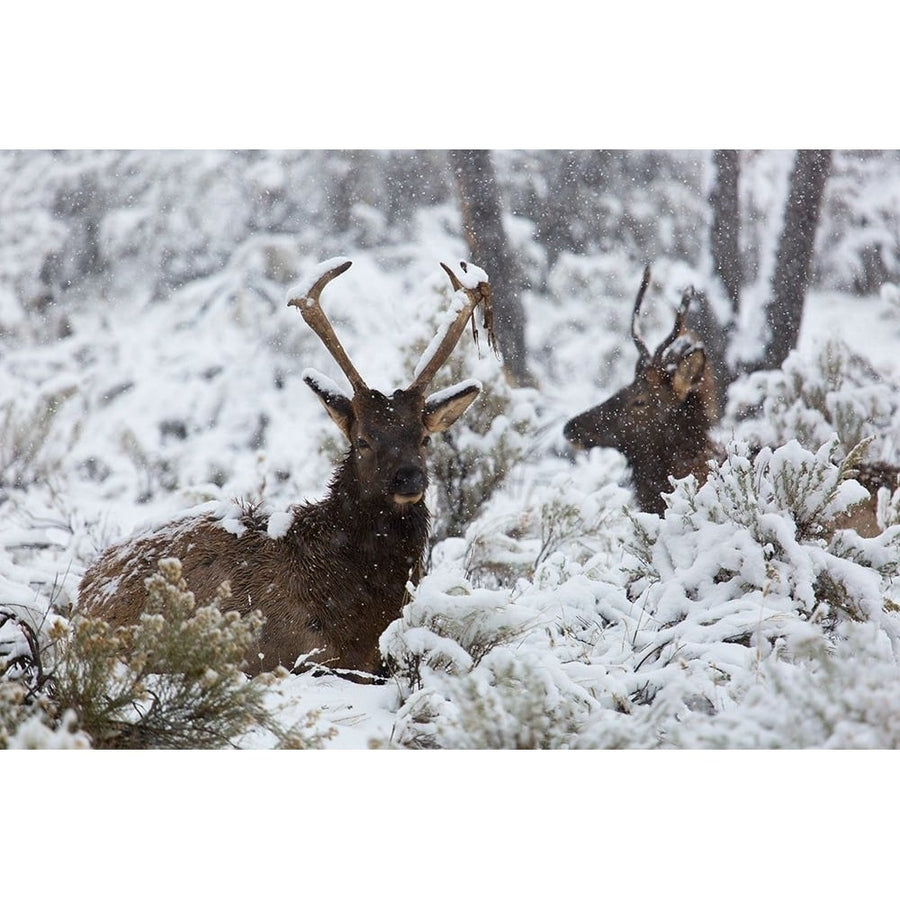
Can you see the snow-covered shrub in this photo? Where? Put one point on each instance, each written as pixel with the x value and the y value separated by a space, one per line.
pixel 174 680
pixel 510 540
pixel 27 452
pixel 28 716
pixel 465 679
pixel 514 700
pixel 812 397
pixel 833 695
pixel 471 460
pixel 750 558
pixel 888 508
pixel 30 723
pixel 449 627
pixel 839 692
pixel 477 668
pixel 23 639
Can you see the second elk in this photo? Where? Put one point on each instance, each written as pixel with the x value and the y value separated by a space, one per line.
pixel 332 578
pixel 662 421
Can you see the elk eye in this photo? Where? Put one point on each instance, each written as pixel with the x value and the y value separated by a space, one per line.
pixel 426 440
pixel 363 444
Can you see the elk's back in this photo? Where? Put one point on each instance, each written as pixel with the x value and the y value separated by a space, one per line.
pixel 311 599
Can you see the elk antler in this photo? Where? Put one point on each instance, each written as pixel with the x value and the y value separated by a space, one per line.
pixel 680 317
pixel 643 352
pixel 444 341
pixel 307 301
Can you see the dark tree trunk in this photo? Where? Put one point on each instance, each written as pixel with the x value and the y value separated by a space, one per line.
pixel 793 262
pixel 726 224
pixel 704 323
pixel 726 261
pixel 479 199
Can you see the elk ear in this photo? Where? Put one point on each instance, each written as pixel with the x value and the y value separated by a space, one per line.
pixel 337 404
pixel 443 408
pixel 689 373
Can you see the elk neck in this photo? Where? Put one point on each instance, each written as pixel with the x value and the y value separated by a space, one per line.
pixel 369 528
pixel 680 448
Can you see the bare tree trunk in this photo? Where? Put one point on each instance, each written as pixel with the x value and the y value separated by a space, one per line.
pixel 793 261
pixel 479 199
pixel 725 253
pixel 726 224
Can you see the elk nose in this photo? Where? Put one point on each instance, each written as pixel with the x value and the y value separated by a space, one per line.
pixel 572 432
pixel 409 481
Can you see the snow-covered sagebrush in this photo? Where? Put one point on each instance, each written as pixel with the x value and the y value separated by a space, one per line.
pixel 738 580
pixel 150 363
pixel 815 394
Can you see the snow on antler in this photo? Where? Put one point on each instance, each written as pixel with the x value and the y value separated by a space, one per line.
pixel 447 320
pixel 299 290
pixel 471 287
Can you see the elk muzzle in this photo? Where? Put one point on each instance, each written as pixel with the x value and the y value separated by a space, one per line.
pixel 574 434
pixel 408 485
pixel 591 429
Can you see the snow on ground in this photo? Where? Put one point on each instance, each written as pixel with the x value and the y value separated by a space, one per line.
pixel 144 407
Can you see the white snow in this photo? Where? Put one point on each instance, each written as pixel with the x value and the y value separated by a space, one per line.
pixel 457 304
pixel 279 524
pixel 439 397
pixel 300 289
pixel 325 384
pixel 167 383
pixel 470 276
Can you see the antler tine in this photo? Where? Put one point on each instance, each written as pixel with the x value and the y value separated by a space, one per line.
pixel 442 345
pixel 643 352
pixel 680 318
pixel 454 281
pixel 307 301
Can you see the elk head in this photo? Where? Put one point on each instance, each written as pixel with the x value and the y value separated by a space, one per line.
pixel 388 435
pixel 662 418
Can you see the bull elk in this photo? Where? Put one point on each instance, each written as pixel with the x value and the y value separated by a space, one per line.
pixel 335 576
pixel 661 421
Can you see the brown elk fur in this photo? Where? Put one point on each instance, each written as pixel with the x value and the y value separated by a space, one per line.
pixel 336 576
pixel 661 423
